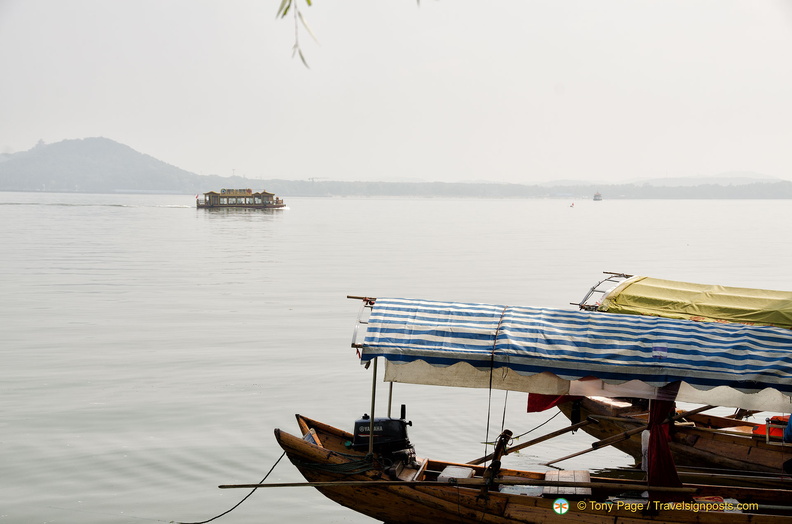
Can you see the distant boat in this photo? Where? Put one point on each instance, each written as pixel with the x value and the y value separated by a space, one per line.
pixel 597 196
pixel 239 198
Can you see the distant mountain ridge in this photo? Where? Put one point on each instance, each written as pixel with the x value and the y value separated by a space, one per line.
pixel 91 165
pixel 730 178
pixel 101 165
pixel 733 178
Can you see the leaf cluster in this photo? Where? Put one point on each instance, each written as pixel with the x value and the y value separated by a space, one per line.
pixel 287 6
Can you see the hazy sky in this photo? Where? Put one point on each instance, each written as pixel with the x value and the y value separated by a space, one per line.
pixel 457 90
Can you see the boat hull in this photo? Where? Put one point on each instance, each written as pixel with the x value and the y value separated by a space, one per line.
pixel 413 498
pixel 240 206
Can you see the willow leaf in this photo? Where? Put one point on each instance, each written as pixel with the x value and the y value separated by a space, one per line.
pixel 303 59
pixel 284 8
pixel 305 25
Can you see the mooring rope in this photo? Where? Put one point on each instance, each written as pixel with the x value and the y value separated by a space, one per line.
pixel 505 403
pixel 537 427
pixel 241 501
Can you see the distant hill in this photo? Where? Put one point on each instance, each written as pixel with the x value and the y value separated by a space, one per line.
pixel 91 165
pixel 731 178
pixel 100 165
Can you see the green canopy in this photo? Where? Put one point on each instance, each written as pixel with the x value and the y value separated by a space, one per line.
pixel 703 302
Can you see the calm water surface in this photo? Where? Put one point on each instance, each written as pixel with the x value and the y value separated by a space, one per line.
pixel 149 349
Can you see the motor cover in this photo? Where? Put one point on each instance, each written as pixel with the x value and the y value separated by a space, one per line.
pixel 390 434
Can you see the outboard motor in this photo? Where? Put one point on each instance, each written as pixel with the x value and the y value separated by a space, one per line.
pixel 390 437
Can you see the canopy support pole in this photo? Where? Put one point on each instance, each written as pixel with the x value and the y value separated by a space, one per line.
pixel 373 398
pixel 390 398
pixel 470 482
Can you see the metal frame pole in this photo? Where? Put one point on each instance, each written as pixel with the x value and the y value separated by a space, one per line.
pixel 373 398
pixel 390 398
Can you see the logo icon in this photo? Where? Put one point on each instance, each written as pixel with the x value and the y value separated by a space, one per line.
pixel 561 506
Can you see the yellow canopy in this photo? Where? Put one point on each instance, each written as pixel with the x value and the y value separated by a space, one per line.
pixel 703 302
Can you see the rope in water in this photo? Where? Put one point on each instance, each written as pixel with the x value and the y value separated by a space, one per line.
pixel 241 501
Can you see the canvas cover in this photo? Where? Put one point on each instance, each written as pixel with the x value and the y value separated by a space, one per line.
pixel 555 351
pixel 702 302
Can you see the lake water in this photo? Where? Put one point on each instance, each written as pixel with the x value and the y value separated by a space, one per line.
pixel 149 349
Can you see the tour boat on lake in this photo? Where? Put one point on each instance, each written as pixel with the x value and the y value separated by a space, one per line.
pixel 239 198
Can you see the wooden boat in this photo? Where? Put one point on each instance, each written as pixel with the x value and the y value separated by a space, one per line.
pixel 699 439
pixel 426 491
pixel 239 199
pixel 374 469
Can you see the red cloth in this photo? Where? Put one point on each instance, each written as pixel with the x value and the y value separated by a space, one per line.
pixel 660 463
pixel 540 402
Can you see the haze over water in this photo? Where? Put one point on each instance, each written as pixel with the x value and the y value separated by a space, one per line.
pixel 149 349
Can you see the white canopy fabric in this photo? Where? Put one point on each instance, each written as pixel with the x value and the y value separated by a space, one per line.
pixel 554 351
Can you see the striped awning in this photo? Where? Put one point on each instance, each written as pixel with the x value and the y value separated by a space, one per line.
pixel 543 350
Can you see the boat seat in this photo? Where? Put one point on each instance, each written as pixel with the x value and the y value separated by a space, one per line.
pixel 567 475
pixel 415 474
pixel 456 472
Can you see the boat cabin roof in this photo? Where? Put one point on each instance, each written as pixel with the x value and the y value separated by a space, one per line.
pixel 704 302
pixel 238 192
pixel 556 351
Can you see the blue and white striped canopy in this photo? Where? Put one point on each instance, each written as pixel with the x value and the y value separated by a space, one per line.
pixel 574 345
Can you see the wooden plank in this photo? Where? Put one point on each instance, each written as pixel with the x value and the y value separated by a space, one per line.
pixel 414 471
pixel 421 469
pixel 518 447
pixel 714 421
pixel 314 437
pixel 304 427
pixel 567 475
